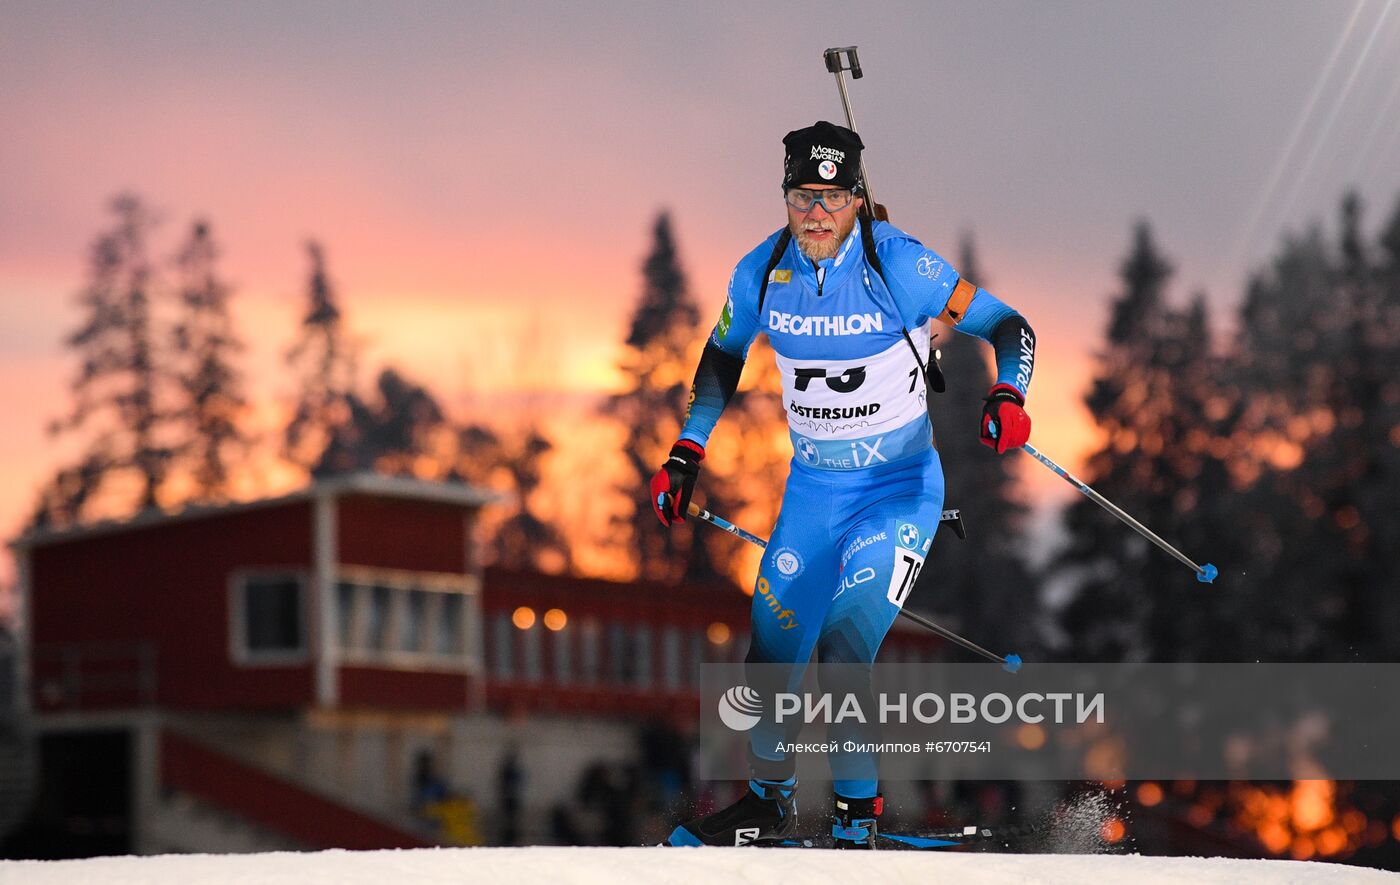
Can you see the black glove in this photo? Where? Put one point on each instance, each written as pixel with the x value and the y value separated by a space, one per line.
pixel 674 483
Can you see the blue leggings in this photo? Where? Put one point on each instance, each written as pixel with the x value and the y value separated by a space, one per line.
pixel 842 562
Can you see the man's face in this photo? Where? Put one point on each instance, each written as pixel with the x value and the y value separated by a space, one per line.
pixel 820 233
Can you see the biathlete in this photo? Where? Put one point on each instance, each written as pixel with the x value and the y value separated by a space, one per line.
pixel 846 302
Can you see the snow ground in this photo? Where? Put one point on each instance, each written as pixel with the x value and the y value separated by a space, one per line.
pixel 661 866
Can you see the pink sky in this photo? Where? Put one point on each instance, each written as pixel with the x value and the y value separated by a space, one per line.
pixel 489 174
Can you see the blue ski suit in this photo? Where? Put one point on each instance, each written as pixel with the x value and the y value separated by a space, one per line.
pixel 865 487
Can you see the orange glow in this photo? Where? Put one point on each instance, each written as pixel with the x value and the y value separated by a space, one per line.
pixel 1312 804
pixel 1149 795
pixel 1201 816
pixel 1275 837
pixel 1375 833
pixel 1331 840
pixel 1113 831
pixel 1354 822
pixel 1395 828
pixel 1030 736
pixel 523 618
pixel 1302 821
pixel 1105 758
pixel 555 619
pixel 717 633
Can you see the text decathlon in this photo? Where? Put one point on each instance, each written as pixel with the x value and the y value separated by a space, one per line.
pixel 853 324
pixel 958 708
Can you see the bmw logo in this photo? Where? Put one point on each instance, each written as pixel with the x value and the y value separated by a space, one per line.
pixel 909 535
pixel 807 450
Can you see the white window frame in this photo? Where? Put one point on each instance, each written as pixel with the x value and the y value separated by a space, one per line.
pixel 239 652
pixel 464 658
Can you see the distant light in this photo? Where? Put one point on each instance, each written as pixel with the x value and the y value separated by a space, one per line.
pixel 1303 848
pixel 717 633
pixel 1113 831
pixel 1030 736
pixel 555 619
pixel 524 617
pixel 1149 794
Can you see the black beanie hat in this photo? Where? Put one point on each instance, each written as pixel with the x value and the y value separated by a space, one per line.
pixel 822 153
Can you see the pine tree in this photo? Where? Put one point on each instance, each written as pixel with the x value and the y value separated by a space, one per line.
pixel 525 540
pixel 1150 397
pixel 209 384
pixel 317 438
pixel 1319 335
pixel 395 434
pixel 982 583
pixel 1379 328
pixel 663 344
pixel 117 392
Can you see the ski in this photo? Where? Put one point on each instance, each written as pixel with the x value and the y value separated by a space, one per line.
pixel 893 841
pixel 898 841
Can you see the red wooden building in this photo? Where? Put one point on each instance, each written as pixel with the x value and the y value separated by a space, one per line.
pixel 264 674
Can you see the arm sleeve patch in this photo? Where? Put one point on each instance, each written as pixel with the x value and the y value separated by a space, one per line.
pixel 956 309
pixel 1014 343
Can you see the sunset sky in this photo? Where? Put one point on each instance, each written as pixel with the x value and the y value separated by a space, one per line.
pixel 486 175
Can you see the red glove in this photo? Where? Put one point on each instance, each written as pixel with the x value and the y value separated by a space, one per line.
pixel 1005 425
pixel 674 483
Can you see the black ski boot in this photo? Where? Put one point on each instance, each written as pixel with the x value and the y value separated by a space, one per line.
pixel 767 810
pixel 853 823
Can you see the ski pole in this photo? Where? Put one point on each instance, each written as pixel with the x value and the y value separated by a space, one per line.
pixel 1011 663
pixel 1204 573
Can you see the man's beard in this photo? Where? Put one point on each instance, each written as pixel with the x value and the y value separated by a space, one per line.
pixel 820 250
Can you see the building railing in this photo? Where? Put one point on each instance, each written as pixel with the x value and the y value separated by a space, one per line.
pixel 93 675
pixel 271 802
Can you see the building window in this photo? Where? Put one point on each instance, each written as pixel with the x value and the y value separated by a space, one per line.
pixel 347 614
pixel 404 620
pixel 671 659
pixel 641 656
pixel 270 617
pixel 448 636
pixel 532 666
pixel 619 655
pixel 411 625
pixel 588 651
pixel 562 660
pixel 502 656
pixel 698 648
pixel 381 600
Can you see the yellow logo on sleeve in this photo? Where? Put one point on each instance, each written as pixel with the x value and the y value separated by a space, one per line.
pixel 780 276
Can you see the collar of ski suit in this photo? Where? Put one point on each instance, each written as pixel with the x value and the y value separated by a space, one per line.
pixel 836 268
